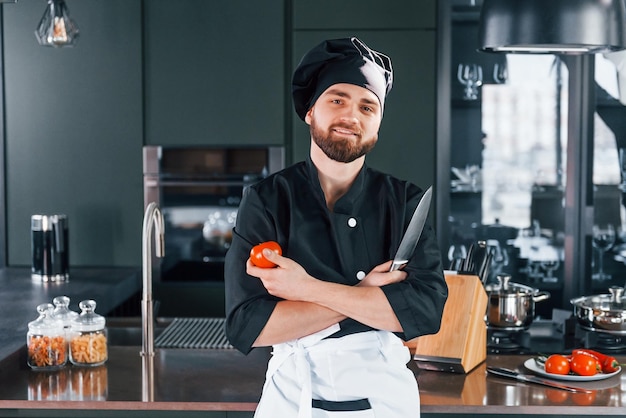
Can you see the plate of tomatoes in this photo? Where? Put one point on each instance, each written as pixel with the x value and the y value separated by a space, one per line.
pixel 582 365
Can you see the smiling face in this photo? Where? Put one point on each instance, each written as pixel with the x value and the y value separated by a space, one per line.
pixel 344 122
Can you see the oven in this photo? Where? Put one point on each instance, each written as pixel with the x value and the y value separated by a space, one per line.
pixel 198 190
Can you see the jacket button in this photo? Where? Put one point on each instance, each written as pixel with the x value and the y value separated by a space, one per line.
pixel 351 222
pixel 360 275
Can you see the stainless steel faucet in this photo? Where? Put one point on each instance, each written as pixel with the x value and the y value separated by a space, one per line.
pixel 152 216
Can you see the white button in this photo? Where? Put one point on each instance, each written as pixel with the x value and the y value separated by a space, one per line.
pixel 351 222
pixel 360 275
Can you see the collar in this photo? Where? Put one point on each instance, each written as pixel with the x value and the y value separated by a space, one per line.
pixel 347 202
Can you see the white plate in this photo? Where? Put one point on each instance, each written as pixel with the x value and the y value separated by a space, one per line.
pixel 531 365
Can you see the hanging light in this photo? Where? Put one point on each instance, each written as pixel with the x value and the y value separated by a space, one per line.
pixel 56 28
pixel 552 26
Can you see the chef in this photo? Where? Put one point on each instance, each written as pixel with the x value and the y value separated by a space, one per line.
pixel 331 309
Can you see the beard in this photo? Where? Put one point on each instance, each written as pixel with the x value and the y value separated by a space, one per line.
pixel 341 149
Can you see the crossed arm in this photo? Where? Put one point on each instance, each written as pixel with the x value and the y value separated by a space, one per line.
pixel 311 305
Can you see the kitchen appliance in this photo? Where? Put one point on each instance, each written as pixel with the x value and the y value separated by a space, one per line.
pixel 601 321
pixel 460 344
pixel 198 190
pixel 507 339
pixel 603 341
pixel 512 305
pixel 604 313
pixel 50 248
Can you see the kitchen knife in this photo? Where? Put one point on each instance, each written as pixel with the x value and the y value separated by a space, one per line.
pixel 512 374
pixel 413 231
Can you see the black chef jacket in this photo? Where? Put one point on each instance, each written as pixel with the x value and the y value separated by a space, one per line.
pixel 363 231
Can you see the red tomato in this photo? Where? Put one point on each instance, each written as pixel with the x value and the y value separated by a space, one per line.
pixel 256 254
pixel 557 364
pixel 584 365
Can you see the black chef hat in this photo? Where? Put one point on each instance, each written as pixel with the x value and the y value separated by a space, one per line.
pixel 346 60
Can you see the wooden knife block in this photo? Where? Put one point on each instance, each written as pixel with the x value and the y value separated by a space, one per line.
pixel 461 343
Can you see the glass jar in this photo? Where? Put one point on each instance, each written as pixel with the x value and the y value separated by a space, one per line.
pixel 62 311
pixel 46 341
pixel 88 341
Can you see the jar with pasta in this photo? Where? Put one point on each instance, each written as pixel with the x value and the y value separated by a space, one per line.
pixel 88 341
pixel 46 342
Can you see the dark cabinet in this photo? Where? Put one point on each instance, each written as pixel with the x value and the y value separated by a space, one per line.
pixel 214 72
pixel 359 14
pixel 73 131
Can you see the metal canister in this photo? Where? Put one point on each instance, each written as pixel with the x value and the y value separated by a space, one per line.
pixel 50 248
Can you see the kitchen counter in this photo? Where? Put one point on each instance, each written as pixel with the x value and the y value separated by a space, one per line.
pixel 20 295
pixel 223 382
pixel 201 381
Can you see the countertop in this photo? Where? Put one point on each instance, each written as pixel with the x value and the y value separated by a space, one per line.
pixel 223 382
pixel 20 295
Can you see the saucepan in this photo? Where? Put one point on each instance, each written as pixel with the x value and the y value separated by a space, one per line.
pixel 512 305
pixel 604 312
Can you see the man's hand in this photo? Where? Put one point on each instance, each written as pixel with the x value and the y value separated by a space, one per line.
pixel 311 304
pixel 288 280
pixel 380 276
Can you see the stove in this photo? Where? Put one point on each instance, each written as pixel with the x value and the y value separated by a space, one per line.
pixel 603 341
pixel 548 337
pixel 508 340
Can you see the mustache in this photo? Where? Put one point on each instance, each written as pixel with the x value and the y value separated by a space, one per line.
pixel 350 127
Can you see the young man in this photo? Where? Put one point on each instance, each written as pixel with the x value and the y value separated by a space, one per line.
pixel 331 309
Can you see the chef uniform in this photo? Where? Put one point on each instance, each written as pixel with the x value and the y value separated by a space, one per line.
pixel 349 369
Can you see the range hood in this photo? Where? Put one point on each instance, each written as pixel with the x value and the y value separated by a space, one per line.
pixel 552 26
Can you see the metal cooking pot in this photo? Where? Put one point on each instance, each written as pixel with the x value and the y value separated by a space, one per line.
pixel 512 305
pixel 605 312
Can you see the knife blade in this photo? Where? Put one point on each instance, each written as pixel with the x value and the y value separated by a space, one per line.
pixel 413 231
pixel 512 374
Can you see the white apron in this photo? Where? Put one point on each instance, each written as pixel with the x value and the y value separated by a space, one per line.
pixel 362 375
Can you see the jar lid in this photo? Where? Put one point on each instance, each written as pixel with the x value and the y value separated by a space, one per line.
pixel 62 311
pixel 45 323
pixel 88 320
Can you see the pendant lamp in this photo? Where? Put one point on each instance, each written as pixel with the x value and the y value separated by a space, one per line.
pixel 56 28
pixel 552 26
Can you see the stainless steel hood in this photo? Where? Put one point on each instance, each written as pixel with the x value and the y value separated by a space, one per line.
pixel 552 26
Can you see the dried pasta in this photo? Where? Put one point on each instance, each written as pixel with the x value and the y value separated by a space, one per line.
pixel 45 351
pixel 88 348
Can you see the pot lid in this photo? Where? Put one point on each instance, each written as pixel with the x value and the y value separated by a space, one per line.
pixel 608 301
pixel 506 287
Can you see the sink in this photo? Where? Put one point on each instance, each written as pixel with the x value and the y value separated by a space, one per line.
pixel 173 332
pixel 127 331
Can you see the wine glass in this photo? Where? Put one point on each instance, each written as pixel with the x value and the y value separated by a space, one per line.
pixel 603 239
pixel 550 265
pixel 457 253
pixel 500 73
pixel 471 76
